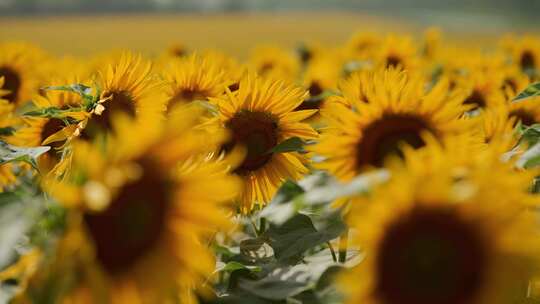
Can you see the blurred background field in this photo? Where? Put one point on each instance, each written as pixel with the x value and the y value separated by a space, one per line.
pixel 83 27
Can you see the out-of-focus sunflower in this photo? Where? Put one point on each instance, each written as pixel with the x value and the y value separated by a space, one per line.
pixel 260 116
pixel 432 43
pixel 483 87
pixel 497 127
pixel 525 111
pixel 194 78
pixel 234 70
pixel 321 75
pixel 361 45
pixel 149 203
pixel 396 51
pixel 439 232
pixel 129 87
pixel 51 131
pixel 524 51
pixel 20 66
pixel 7 124
pixel 274 62
pixel 380 113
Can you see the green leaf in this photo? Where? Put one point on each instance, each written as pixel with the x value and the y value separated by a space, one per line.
pixel 274 287
pixel 530 135
pixel 287 192
pixel 7 131
pixel 78 88
pixel 531 157
pixel 531 91
pixel 293 144
pixel 291 239
pixel 9 153
pixel 233 266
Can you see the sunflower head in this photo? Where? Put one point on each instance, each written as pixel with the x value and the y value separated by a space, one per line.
pixel 441 232
pixel 524 51
pixel 396 51
pixel 20 66
pixel 127 87
pixel 143 208
pixel 380 112
pixel 361 44
pixel 260 116
pixel 274 62
pixel 194 78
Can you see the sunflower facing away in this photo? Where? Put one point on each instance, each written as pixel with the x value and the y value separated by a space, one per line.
pixel 380 112
pixel 144 210
pixel 129 87
pixel 442 233
pixel 260 116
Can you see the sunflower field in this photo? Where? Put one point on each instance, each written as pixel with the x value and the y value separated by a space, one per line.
pixel 386 169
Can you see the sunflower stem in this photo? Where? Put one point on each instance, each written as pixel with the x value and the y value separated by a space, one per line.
pixel 343 243
pixel 334 257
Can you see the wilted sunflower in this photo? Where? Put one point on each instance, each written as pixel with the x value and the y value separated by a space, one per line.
pixel 274 62
pixel 20 66
pixel 440 232
pixel 260 116
pixel 194 78
pixel 149 204
pixel 381 111
pixel 127 87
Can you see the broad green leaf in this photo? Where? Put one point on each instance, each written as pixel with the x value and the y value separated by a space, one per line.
pixel 293 144
pixel 529 134
pixel 274 287
pixel 531 91
pixel 286 192
pixel 531 157
pixel 297 235
pixel 9 153
pixel 233 266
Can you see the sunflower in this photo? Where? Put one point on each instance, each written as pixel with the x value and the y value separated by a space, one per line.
pixel 361 45
pixel 396 51
pixel 51 131
pixel 483 87
pixel 128 86
pixel 146 209
pixel 7 122
pixel 497 127
pixel 194 78
pixel 378 113
pixel 439 232
pixel 274 62
pixel 524 52
pixel 20 66
pixel 321 75
pixel 260 116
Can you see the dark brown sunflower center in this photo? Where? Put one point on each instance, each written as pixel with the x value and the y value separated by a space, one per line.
pixel 52 126
pixel 527 61
pixel 393 61
pixel 258 133
pixel 430 256
pixel 187 96
pixel 525 117
pixel 312 103
pixel 133 223
pixel 120 102
pixel 12 83
pixel 476 99
pixel 384 136
pixel 510 83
